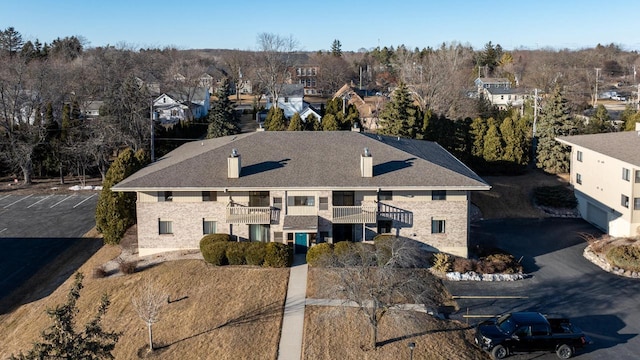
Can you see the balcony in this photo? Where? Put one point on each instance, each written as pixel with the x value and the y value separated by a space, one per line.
pixel 248 215
pixel 366 214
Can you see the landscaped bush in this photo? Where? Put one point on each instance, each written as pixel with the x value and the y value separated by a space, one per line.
pixel 99 272
pixel 276 255
pixel 555 196
pixel 127 267
pixel 384 245
pixel 441 262
pixel 463 265
pixel 214 252
pixel 626 257
pixel 216 237
pixel 236 253
pixel 366 253
pixel 317 255
pixel 343 251
pixel 254 253
pixel 499 263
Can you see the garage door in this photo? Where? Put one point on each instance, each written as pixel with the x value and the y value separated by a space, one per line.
pixel 597 217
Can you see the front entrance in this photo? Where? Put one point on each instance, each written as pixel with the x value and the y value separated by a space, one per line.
pixel 301 243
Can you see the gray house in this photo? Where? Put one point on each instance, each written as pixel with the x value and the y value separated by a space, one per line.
pixel 304 188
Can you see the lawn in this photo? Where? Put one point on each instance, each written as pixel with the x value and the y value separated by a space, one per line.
pixel 215 313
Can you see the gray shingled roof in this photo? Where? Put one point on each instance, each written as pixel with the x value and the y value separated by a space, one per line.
pixel 290 160
pixel 624 146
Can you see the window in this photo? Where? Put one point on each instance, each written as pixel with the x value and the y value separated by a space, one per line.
pixel 277 236
pixel 636 204
pixel 624 201
pixel 165 196
pixel 439 195
pixel 578 178
pixel 324 203
pixel 165 227
pixel 259 232
pixel 385 195
pixel 626 174
pixel 301 201
pixel 208 227
pixel 209 196
pixel 259 199
pixel 637 176
pixel 277 203
pixel 343 198
pixel 437 226
pixel 579 155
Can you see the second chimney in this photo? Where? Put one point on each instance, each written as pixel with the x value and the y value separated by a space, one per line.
pixel 234 165
pixel 366 164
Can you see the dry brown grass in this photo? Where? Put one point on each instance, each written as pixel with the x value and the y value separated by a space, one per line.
pixel 511 196
pixel 224 312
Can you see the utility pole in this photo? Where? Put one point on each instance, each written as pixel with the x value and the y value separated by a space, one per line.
pixel 151 116
pixel 595 98
pixel 534 139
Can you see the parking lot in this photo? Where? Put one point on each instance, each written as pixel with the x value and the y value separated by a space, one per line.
pixel 35 228
pixel 562 283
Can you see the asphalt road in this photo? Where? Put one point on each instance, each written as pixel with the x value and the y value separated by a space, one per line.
pixel 34 229
pixel 562 283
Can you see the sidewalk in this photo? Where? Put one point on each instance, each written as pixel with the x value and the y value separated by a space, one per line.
pixel 293 320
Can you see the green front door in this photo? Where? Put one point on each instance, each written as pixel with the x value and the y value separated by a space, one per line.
pixel 301 243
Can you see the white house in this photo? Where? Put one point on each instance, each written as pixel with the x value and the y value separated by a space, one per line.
pixel 291 101
pixel 189 105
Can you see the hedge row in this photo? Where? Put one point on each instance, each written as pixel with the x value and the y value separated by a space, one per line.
pixel 347 252
pixel 218 250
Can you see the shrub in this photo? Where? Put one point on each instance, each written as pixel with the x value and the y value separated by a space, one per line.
pixel 216 237
pixel 366 253
pixel 384 246
pixel 320 254
pixel 463 265
pixel 99 272
pixel 441 262
pixel 555 196
pixel 276 255
pixel 127 267
pixel 236 253
pixel 501 264
pixel 254 253
pixel 626 257
pixel 343 251
pixel 214 252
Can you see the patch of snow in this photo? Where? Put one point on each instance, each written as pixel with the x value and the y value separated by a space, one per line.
pixel 87 187
pixel 473 276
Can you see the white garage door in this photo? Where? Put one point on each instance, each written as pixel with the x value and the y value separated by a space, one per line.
pixel 597 217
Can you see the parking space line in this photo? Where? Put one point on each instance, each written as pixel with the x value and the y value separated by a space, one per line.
pixel 17 201
pixel 39 201
pixel 4 197
pixel 66 198
pixel 78 204
pixel 3 230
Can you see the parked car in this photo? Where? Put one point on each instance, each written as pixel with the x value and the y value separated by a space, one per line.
pixel 523 332
pixel 618 97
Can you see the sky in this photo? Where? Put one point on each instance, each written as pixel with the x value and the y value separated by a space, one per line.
pixel 235 24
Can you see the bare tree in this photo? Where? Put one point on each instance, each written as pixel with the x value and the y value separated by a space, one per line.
pixel 147 304
pixel 273 60
pixel 388 276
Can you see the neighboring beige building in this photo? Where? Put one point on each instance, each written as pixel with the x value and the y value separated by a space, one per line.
pixel 304 188
pixel 605 174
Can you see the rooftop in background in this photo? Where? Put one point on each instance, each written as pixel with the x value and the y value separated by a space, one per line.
pixel 624 146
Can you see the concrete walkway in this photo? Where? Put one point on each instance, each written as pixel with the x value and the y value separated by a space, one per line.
pixel 290 347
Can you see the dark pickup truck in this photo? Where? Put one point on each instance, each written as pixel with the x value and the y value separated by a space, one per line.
pixel 520 332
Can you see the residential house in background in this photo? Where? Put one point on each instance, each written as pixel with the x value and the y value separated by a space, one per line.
pixel 188 105
pixel 498 92
pixel 304 188
pixel 605 174
pixel 291 101
pixel 91 109
pixel 307 76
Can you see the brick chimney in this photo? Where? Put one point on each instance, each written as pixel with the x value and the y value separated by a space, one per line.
pixel 366 164
pixel 234 165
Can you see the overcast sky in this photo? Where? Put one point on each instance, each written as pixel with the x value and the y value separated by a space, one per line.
pixel 235 24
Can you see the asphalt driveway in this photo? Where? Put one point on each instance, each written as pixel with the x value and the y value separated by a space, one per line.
pixel 34 229
pixel 562 283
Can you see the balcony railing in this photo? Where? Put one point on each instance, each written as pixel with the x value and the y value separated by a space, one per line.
pixel 365 214
pixel 248 215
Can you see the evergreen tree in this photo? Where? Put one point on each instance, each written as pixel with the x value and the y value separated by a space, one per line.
pixel 336 48
pixel 330 123
pixel 493 144
pixel 275 120
pixel 600 122
pixel 630 118
pixel 400 116
pixel 295 124
pixel 116 211
pixel 555 120
pixel 312 123
pixel 10 41
pixel 514 142
pixel 62 341
pixel 478 130
pixel 222 117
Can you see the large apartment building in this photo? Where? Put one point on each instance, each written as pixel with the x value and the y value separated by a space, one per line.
pixel 605 174
pixel 304 188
